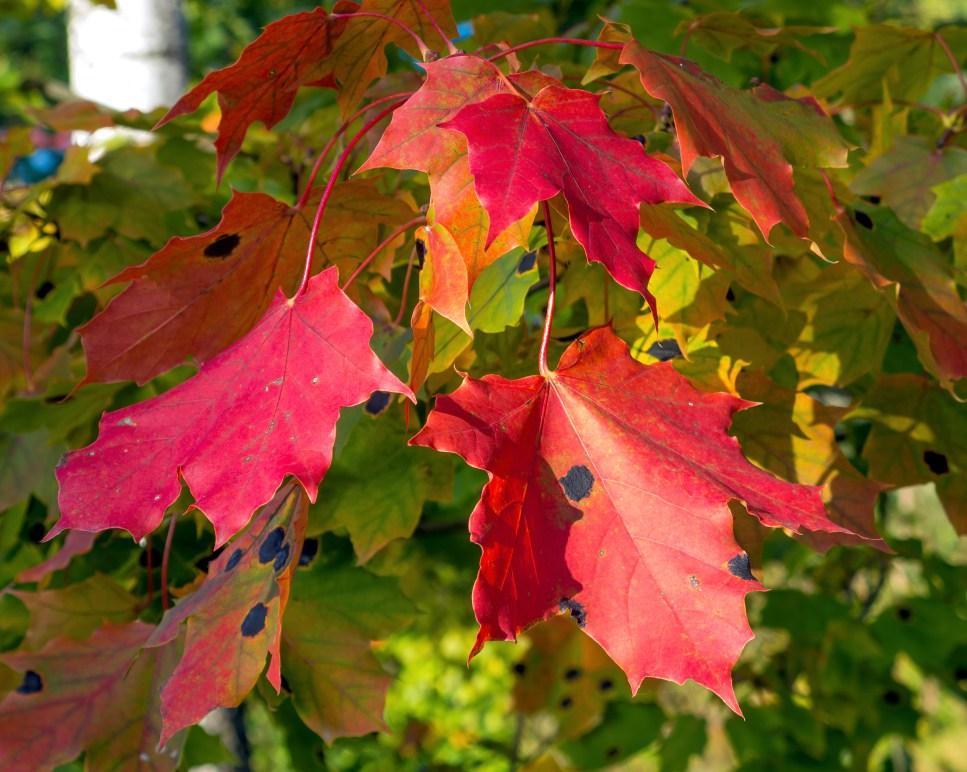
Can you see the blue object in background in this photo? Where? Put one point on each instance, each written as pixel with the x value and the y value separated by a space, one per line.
pixel 37 166
pixel 464 30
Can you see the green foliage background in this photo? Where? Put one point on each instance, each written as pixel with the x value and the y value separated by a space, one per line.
pixel 860 660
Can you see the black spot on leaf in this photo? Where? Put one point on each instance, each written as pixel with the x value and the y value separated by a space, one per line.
pixel 862 218
pixel 31 684
pixel 576 610
pixel 526 262
pixel 233 560
pixel 577 482
pixel 44 290
pixel 520 668
pixel 566 702
pixel 572 673
pixel 377 402
pixel 271 546
pixel 254 621
pixel 730 296
pixel 891 697
pixel 904 614
pixel 612 752
pixel 773 57
pixel 310 548
pixel 872 199
pixel 420 247
pixel 606 685
pixel 223 246
pixel 282 558
pixel 739 566
pixel 937 462
pixel 663 350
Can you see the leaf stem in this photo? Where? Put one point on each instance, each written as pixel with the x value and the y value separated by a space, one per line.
pixel 425 50
pixel 164 562
pixel 549 41
pixel 421 220
pixel 149 569
pixel 551 292
pixel 451 49
pixel 953 60
pixel 327 193
pixel 406 287
pixel 304 198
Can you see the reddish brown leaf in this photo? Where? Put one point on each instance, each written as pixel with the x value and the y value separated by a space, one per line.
pixel 259 411
pixel 759 136
pixel 235 617
pixel 608 498
pixel 75 543
pixel 98 696
pixel 199 294
pixel 262 84
pixel 522 152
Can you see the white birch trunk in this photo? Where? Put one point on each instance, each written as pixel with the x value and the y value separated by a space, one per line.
pixel 130 57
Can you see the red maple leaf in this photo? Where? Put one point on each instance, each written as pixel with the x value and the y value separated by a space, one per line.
pixel 759 136
pixel 522 152
pixel 262 84
pixel 262 409
pixel 608 497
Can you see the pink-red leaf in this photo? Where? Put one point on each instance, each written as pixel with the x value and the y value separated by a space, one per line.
pixel 522 152
pixel 608 497
pixel 259 411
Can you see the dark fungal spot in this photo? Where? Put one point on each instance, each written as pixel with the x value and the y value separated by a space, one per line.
pixel 577 482
pixel 44 290
pixel 254 621
pixel 576 610
pixel 31 684
pixel 233 560
pixel 572 673
pixel 612 752
pixel 773 57
pixel 730 296
pixel 526 262
pixel 606 685
pixel 739 566
pixel 872 199
pixel 566 702
pixel 223 246
pixel 271 546
pixel 891 697
pixel 310 548
pixel 863 219
pixel 904 614
pixel 937 462
pixel 420 248
pixel 520 668
pixel 377 402
pixel 663 350
pixel 282 557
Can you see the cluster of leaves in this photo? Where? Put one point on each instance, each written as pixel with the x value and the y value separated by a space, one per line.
pixel 752 286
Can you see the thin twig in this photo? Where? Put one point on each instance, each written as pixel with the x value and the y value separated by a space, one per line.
pixel 334 175
pixel 551 41
pixel 451 49
pixel 425 50
pixel 953 60
pixel 398 320
pixel 551 292
pixel 149 568
pixel 380 247
pixel 164 562
pixel 339 132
